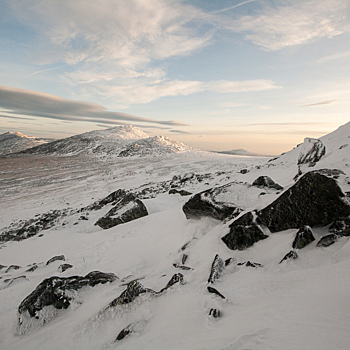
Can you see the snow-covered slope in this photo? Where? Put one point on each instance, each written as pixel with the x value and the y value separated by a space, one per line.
pixel 164 261
pixel 12 142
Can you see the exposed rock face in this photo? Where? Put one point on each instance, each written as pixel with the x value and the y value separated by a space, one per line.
pixel 315 200
pixel 121 214
pixel 266 181
pixel 303 237
pixel 290 256
pixel 52 291
pixel 328 240
pixel 311 152
pixel 55 258
pixel 244 232
pixel 177 278
pixel 217 268
pixel 204 204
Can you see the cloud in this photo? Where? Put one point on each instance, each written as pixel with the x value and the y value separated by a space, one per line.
pixel 327 102
pixel 180 132
pixel 292 23
pixel 31 103
pixel 334 57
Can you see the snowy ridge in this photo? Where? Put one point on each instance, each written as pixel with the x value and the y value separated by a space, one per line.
pixel 12 142
pixel 161 293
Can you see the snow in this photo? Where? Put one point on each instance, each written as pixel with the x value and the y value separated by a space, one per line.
pixel 298 304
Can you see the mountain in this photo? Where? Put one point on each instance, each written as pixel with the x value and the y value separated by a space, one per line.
pixel 123 141
pixel 243 152
pixel 189 251
pixel 12 142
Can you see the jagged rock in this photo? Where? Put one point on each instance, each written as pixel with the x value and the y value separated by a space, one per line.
pixel 9 281
pixel 244 232
pixel 184 258
pixel 335 173
pixel 217 268
pixel 64 267
pixel 180 192
pixel 303 237
pixel 182 267
pixel 55 258
pixel 291 255
pixel 341 226
pixel 115 197
pixel 311 151
pixel 127 330
pixel 132 291
pixel 204 204
pixel 177 278
pixel 13 267
pixel 328 240
pixel 250 264
pixel 121 214
pixel 266 181
pixel 33 268
pixel 215 291
pixel 315 200
pixel 215 313
pixel 55 291
pixel 229 261
pixel 2 266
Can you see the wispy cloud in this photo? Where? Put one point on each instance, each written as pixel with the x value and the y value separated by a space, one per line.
pixel 321 103
pixel 30 103
pixel 233 7
pixel 334 57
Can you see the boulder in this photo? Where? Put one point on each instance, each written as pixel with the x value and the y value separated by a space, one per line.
pixel 215 291
pixel 341 226
pixel 266 181
pixel 328 240
pixel 289 256
pixel 217 269
pixel 215 313
pixel 311 151
pixel 315 200
pixel 121 214
pixel 244 232
pixel 177 278
pixel 126 331
pixel 303 237
pixel 64 267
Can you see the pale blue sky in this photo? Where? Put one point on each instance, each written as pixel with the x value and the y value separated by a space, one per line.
pixel 217 75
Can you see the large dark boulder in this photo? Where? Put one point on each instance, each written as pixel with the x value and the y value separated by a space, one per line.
pixel 244 232
pixel 56 291
pixel 315 200
pixel 266 181
pixel 204 204
pixel 303 237
pixel 121 214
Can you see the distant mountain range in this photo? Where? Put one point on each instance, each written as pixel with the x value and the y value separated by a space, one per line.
pixel 122 141
pixel 12 142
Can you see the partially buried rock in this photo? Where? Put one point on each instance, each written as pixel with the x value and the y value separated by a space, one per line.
pixel 215 313
pixel 250 264
pixel 303 237
pixel 127 330
pixel 177 278
pixel 341 226
pixel 180 192
pixel 328 240
pixel 64 267
pixel 315 200
pixel 12 267
pixel 55 258
pixel 266 181
pixel 244 232
pixel 290 256
pixel 217 269
pixel 215 291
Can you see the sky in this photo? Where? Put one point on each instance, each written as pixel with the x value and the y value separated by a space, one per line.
pixel 214 74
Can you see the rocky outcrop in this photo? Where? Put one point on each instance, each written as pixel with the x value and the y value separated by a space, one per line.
pixel 311 151
pixel 250 264
pixel 315 200
pixel 266 181
pixel 290 256
pixel 217 269
pixel 341 226
pixel 303 237
pixel 177 278
pixel 56 291
pixel 180 192
pixel 244 232
pixel 328 240
pixel 121 214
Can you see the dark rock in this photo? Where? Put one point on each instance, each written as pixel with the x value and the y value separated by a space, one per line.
pixel 214 313
pixel 11 280
pixel 291 255
pixel 315 200
pixel 335 173
pixel 340 226
pixel 244 171
pixel 184 258
pixel 250 264
pixel 204 204
pixel 313 151
pixel 217 268
pixel 114 198
pixel 2 266
pixel 303 237
pixel 52 291
pixel 177 278
pixel 55 258
pixel 125 332
pixel 64 267
pixel 181 192
pixel 182 267
pixel 244 232
pixel 13 267
pixel 215 291
pixel 114 217
pixel 229 261
pixel 33 268
pixel 266 181
pixel 328 240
